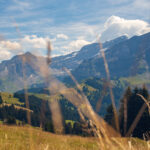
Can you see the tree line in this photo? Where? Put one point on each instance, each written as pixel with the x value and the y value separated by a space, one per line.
pixel 134 113
pixel 130 106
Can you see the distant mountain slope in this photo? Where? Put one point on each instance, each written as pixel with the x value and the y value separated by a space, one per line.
pixel 71 61
pixel 93 88
pixel 129 57
pixel 13 71
pixel 125 57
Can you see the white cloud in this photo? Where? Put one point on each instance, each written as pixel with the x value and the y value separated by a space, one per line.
pixel 62 36
pixel 75 45
pixel 10 45
pixel 36 45
pixel 9 48
pixel 144 4
pixel 30 43
pixel 34 41
pixel 4 54
pixel 116 26
pixel 74 38
pixel 79 34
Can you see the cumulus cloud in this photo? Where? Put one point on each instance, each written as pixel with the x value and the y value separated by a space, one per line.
pixel 83 34
pixel 8 48
pixel 35 42
pixel 116 26
pixel 62 36
pixel 31 43
pixel 4 54
pixel 76 45
pixel 10 45
pixel 36 45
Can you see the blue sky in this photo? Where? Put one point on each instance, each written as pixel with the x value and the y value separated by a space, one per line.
pixel 69 24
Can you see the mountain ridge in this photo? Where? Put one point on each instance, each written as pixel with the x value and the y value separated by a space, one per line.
pixel 83 64
pixel 127 58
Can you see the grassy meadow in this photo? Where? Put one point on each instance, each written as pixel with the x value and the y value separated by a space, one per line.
pixel 29 138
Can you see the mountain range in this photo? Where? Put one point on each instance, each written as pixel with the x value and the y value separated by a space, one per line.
pixel 125 58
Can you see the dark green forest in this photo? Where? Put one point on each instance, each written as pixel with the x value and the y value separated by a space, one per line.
pixel 96 90
pixel 131 105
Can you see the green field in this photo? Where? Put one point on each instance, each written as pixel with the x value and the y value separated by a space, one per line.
pixel 8 98
pixel 137 80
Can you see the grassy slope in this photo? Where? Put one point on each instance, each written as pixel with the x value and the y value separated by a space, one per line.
pixel 24 138
pixel 9 98
pixel 29 138
pixel 137 80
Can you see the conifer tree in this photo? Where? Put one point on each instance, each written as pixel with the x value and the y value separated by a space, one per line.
pixel 123 113
pixel 134 103
pixel 1 100
pixel 109 115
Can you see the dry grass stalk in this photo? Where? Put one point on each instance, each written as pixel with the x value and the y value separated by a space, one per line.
pixel 125 115
pixel 136 120
pixel 81 115
pixel 103 93
pixel 31 146
pixel 54 104
pixel 130 144
pixel 56 116
pixel 26 96
pixel 86 105
pixel 27 105
pixel 42 113
pixel 110 88
pixel 148 145
pixel 100 132
pixel 78 86
pixel 78 100
pixel 24 74
pixel 49 49
pixel 42 67
pixel 120 144
pixel 146 102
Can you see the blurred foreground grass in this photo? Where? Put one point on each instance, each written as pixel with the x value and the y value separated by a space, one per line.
pixel 29 138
